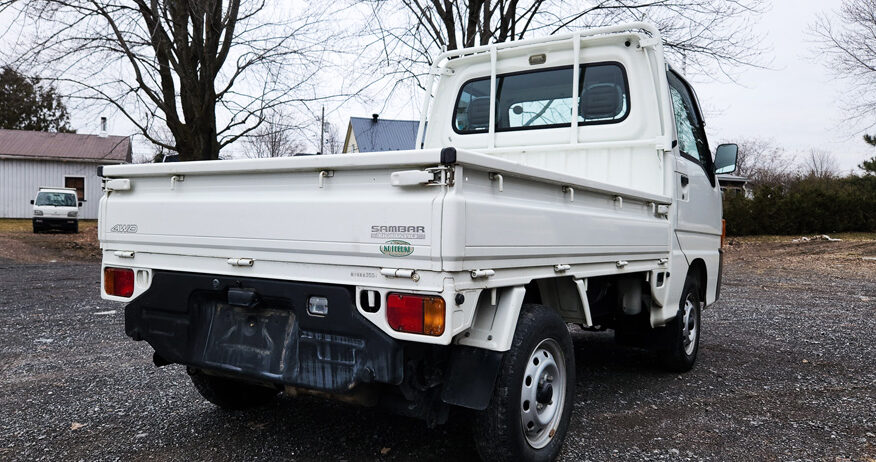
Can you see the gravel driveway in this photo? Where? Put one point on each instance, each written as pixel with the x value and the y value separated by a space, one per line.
pixel 787 371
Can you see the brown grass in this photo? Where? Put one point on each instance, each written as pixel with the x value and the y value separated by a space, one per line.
pixel 853 257
pixel 859 237
pixel 19 243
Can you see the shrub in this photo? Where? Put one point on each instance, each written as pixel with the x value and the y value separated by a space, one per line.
pixel 806 205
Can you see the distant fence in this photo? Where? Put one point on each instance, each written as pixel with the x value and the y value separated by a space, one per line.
pixel 804 206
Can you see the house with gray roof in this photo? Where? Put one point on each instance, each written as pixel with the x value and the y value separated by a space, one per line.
pixel 375 134
pixel 29 160
pixel 734 184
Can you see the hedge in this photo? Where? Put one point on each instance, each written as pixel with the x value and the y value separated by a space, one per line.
pixel 805 206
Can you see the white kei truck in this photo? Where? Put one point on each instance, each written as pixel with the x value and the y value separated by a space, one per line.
pixel 561 180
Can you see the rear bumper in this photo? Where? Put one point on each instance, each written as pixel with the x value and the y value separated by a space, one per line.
pixel 190 319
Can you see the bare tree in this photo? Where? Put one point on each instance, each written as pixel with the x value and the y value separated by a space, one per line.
pixel 819 163
pixel 763 162
pixel 274 138
pixel 847 43
pixel 705 34
pixel 208 70
pixel 158 152
pixel 334 143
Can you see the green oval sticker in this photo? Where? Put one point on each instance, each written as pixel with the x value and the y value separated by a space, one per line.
pixel 396 248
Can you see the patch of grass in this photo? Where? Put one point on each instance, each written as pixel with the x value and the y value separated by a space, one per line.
pixel 14 225
pixel 25 225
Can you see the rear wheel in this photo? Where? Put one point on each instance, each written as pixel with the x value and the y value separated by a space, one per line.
pixel 680 342
pixel 529 413
pixel 229 393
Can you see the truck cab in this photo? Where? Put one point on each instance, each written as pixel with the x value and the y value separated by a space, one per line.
pixel 56 208
pixel 555 181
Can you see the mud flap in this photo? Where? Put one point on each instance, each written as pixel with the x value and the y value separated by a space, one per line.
pixel 471 377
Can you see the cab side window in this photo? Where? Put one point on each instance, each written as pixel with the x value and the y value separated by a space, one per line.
pixel 691 134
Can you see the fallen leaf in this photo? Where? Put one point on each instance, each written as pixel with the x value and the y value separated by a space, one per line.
pixel 76 426
pixel 805 361
pixel 257 425
pixel 384 451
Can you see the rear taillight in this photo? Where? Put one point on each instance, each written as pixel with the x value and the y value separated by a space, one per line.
pixel 118 281
pixel 723 232
pixel 417 314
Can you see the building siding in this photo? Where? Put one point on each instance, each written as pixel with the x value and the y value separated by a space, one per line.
pixel 20 179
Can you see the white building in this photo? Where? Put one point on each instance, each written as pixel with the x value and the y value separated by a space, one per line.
pixel 734 184
pixel 29 160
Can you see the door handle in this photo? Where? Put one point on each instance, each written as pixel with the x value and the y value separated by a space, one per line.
pixel 684 180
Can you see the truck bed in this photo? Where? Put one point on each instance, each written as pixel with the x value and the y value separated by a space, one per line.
pixel 329 215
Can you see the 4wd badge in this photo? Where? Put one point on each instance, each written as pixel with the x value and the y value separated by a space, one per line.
pixel 396 248
pixel 124 229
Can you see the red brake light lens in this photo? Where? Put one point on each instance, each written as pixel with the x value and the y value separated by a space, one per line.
pixel 417 314
pixel 118 281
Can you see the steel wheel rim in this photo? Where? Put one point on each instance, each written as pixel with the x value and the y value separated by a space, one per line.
pixel 690 326
pixel 544 376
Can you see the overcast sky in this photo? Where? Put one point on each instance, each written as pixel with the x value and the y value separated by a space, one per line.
pixel 796 102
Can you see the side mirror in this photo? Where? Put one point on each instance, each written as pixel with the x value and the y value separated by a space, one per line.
pixel 725 158
pixel 80 203
pixel 31 202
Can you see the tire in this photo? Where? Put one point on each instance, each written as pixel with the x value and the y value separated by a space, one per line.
pixel 75 229
pixel 229 393
pixel 679 343
pixel 541 351
pixel 36 229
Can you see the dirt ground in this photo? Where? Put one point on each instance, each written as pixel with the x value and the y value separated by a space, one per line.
pixel 19 243
pixel 786 372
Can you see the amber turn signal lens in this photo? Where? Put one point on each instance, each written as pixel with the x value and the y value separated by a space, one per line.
pixel 433 316
pixel 118 281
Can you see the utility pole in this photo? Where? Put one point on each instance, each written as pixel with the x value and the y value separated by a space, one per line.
pixel 322 132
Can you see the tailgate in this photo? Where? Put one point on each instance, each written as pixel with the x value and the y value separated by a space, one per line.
pixel 279 210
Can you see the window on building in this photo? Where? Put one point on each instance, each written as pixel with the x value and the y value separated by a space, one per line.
pixel 77 183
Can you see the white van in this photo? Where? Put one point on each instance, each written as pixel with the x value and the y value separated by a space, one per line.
pixel 56 208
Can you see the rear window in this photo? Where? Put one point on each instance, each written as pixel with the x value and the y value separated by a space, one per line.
pixel 56 199
pixel 543 99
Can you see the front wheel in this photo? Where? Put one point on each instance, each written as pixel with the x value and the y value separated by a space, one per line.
pixel 529 413
pixel 680 341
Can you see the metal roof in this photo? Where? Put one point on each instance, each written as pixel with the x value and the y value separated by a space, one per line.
pixel 384 134
pixel 64 146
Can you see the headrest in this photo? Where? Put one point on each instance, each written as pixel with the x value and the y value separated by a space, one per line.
pixel 478 113
pixel 601 101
